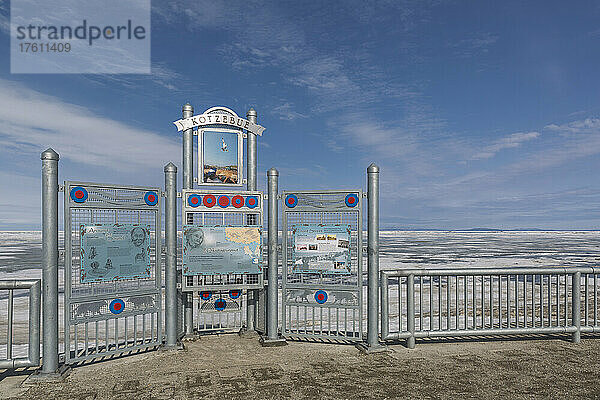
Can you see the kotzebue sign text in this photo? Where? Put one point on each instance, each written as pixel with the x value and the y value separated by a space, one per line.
pixel 219 119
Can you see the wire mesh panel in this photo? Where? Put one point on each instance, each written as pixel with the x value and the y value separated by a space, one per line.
pixel 219 290
pixel 113 301
pixel 322 265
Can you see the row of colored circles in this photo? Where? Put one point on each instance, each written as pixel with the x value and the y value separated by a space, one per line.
pixel 234 294
pixel 116 306
pixel 209 200
pixel 80 194
pixel 351 200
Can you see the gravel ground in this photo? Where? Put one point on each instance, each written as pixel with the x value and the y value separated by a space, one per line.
pixel 231 367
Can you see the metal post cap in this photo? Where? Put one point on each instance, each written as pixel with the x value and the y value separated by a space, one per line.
pixel 50 154
pixel 187 107
pixel 251 112
pixel 170 167
pixel 273 172
pixel 373 169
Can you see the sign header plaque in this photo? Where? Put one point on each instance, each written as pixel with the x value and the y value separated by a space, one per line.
pixel 218 119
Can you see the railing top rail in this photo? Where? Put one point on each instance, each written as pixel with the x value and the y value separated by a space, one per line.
pixel 490 271
pixel 7 284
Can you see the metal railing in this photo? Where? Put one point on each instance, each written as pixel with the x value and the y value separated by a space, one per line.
pixel 446 303
pixel 35 290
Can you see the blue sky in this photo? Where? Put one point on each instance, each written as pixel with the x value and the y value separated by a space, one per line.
pixel 480 114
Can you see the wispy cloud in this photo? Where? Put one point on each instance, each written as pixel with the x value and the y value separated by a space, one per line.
pixel 286 112
pixel 474 45
pixel 30 120
pixel 507 142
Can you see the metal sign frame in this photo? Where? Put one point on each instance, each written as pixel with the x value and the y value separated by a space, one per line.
pixel 111 317
pixel 319 305
pixel 240 155
pixel 207 315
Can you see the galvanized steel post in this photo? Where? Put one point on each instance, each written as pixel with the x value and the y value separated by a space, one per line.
pixel 50 260
pixel 251 164
pixel 171 255
pixel 188 183
pixel 373 258
pixel 272 308
pixel 384 306
pixel 576 306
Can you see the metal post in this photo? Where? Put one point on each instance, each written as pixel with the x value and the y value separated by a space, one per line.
pixel 576 306
pixel 251 185
pixel 410 311
pixel 272 338
pixel 272 322
pixel 50 260
pixel 171 255
pixel 373 259
pixel 188 183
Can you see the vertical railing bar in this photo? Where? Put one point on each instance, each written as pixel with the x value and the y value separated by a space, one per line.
pixel 549 308
pixel 587 282
pixel 439 303
pixel 595 300
pixel 566 299
pixel 456 309
pixel 116 333
pixel 491 303
pixel 76 326
pixel 525 324
pixel 541 300
pixel 482 302
pixel 9 333
pixel 126 329
pixel 86 338
pixel 558 300
pixel 448 295
pixel 96 337
pixel 500 321
pixel 517 309
pixel 400 304
pixel 465 301
pixel 410 304
pixel 508 303
pixel 430 303
pixel 421 302
pixel 106 342
pixel 474 305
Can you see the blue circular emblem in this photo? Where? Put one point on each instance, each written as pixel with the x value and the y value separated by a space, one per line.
pixel 220 304
pixel 194 200
pixel 291 200
pixel 79 194
pixel 351 200
pixel 116 306
pixel 151 198
pixel 321 296
pixel 235 293
pixel 206 295
pixel 251 201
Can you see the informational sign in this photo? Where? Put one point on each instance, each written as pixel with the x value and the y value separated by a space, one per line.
pixel 112 252
pixel 210 250
pixel 321 248
pixel 220 157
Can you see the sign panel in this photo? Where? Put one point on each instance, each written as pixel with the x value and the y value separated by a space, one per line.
pixel 320 248
pixel 218 119
pixel 220 157
pixel 210 250
pixel 111 252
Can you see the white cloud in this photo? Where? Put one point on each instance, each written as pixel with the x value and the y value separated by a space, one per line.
pixel 31 121
pixel 286 112
pixel 507 142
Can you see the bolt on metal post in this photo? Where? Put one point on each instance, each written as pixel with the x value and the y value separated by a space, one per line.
pixel 50 260
pixel 188 183
pixel 171 255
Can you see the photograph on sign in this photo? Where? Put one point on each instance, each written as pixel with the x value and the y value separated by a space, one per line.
pixel 319 248
pixel 210 250
pixel 220 157
pixel 111 252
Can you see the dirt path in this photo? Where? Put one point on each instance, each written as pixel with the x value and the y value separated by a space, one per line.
pixel 230 367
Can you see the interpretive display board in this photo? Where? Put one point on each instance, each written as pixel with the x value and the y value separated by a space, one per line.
pixel 112 252
pixel 321 248
pixel 209 250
